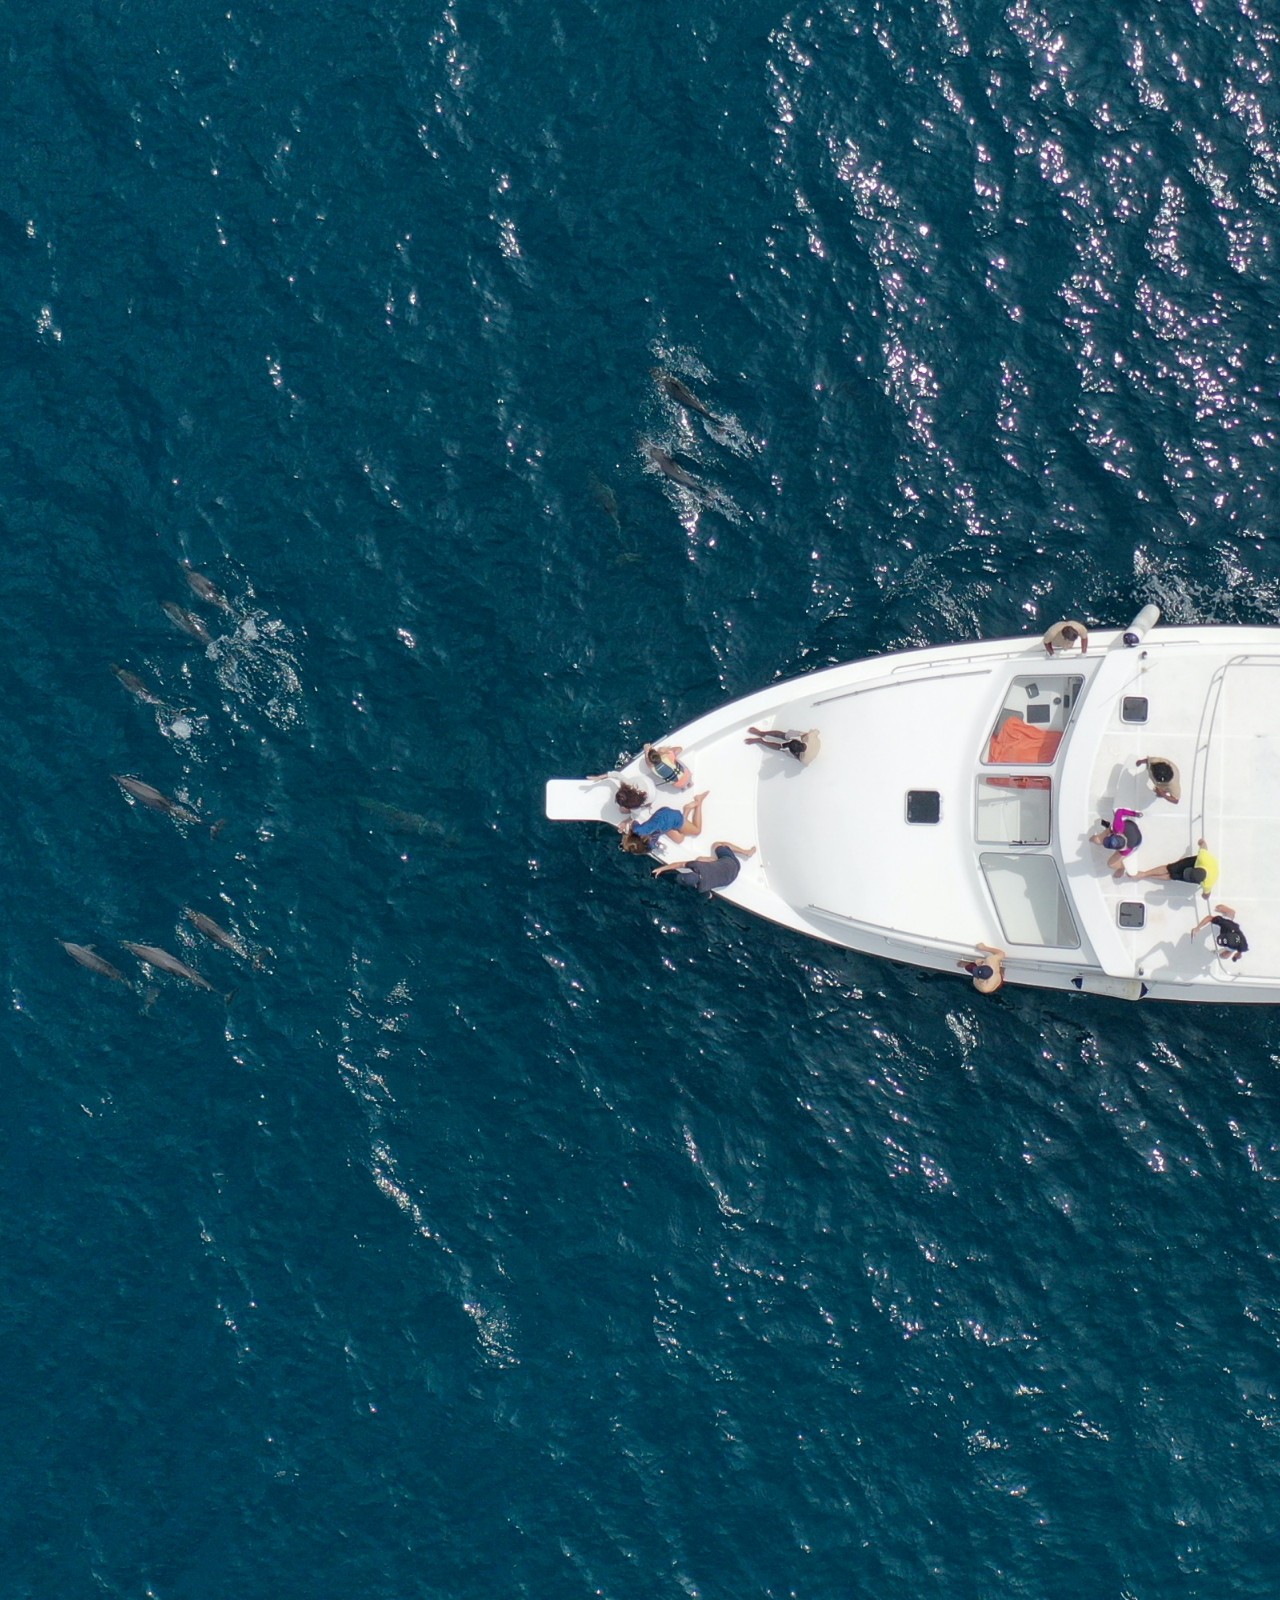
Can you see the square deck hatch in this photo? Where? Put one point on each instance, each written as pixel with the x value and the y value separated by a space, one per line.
pixel 923 805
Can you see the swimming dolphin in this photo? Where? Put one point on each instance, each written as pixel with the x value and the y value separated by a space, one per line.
pixel 672 469
pixel 162 961
pixel 87 956
pixel 682 396
pixel 136 687
pixel 187 621
pixel 147 796
pixel 211 930
pixel 206 588
pixel 401 821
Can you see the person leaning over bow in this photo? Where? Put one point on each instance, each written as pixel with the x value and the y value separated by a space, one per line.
pixel 716 871
pixel 1063 635
pixel 1232 943
pixel 629 794
pixel 987 975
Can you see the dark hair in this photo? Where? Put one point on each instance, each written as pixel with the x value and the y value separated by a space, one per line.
pixel 1194 875
pixel 630 797
pixel 1068 632
pixel 637 844
pixel 796 747
pixel 1161 771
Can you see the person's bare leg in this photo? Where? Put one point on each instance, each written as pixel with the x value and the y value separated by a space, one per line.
pixel 692 825
pixel 1153 872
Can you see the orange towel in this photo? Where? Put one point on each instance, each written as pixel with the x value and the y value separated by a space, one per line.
pixel 1018 744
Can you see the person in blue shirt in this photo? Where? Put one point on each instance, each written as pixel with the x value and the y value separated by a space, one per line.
pixel 641 838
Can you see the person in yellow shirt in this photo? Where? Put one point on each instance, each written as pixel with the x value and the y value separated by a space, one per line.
pixel 1201 868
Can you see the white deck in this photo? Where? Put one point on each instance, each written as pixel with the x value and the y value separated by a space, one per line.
pixel 837 857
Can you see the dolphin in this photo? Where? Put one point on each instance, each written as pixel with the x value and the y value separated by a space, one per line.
pixel 136 687
pixel 87 956
pixel 682 396
pixel 206 588
pixel 400 821
pixel 147 796
pixel 162 961
pixel 211 930
pixel 187 621
pixel 672 469
pixel 605 498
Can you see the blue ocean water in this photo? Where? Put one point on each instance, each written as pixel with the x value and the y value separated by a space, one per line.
pixel 518 1231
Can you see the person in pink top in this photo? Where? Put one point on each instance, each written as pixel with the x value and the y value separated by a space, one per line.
pixel 1121 836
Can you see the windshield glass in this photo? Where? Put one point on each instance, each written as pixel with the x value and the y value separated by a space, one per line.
pixel 1031 722
pixel 1029 900
pixel 1012 810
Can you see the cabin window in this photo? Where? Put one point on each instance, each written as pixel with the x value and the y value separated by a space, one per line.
pixel 1029 900
pixel 1012 810
pixel 1032 720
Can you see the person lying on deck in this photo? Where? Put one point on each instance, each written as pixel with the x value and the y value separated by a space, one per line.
pixel 803 746
pixel 640 838
pixel 665 764
pixel 629 795
pixel 705 873
pixel 1201 868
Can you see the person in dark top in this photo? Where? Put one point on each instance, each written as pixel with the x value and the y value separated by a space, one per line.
pixel 705 873
pixel 1232 943
pixel 803 746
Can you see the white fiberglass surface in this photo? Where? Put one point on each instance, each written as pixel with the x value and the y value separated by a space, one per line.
pixel 1029 900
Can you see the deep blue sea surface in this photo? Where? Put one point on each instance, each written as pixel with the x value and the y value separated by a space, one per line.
pixel 517 1231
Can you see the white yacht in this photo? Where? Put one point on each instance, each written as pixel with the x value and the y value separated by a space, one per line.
pixel 956 793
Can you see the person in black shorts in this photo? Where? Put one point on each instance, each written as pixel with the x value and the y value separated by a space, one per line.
pixel 705 873
pixel 1232 943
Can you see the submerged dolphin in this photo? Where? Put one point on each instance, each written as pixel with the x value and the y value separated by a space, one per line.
pixel 147 796
pixel 162 961
pixel 672 469
pixel 187 621
pixel 87 956
pixel 211 930
pixel 682 396
pixel 400 821
pixel 206 588
pixel 136 687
